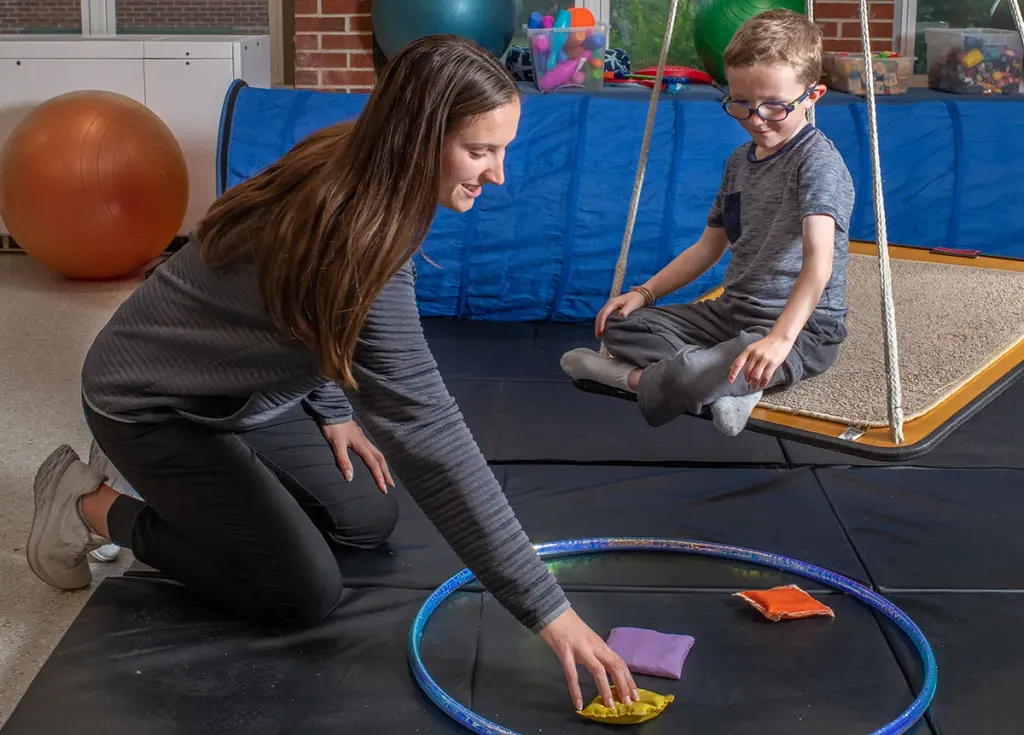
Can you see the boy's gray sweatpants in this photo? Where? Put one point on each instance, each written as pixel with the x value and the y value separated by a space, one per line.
pixel 686 351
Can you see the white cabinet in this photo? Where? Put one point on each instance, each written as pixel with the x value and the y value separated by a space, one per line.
pixel 183 79
pixel 187 95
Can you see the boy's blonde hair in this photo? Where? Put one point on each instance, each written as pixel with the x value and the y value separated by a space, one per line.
pixel 778 37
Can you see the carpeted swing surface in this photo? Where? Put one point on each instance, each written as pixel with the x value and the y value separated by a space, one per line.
pixel 952 321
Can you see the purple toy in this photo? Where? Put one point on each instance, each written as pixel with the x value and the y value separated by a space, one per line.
pixel 649 652
pixel 562 74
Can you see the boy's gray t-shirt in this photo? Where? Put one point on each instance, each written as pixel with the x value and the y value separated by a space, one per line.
pixel 762 204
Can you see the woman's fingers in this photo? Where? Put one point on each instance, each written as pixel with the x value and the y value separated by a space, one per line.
pixel 625 687
pixel 572 677
pixel 596 669
pixel 374 460
pixel 341 454
pixel 386 469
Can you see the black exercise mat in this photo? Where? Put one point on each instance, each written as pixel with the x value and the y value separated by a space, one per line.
pixel 778 511
pixel 744 674
pixel 933 528
pixel 504 350
pixel 991 438
pixel 553 421
pixel 980 657
pixel 145 658
pixel 511 388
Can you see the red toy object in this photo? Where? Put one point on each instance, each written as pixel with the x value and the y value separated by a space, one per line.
pixel 785 603
pixel 696 76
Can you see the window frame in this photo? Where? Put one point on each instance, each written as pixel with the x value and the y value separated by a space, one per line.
pixel 904 27
pixel 904 35
pixel 99 17
pixel 601 9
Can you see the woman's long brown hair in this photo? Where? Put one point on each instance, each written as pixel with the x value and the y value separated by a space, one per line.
pixel 335 218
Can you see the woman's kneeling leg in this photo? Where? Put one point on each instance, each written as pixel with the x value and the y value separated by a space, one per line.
pixel 352 514
pixel 216 519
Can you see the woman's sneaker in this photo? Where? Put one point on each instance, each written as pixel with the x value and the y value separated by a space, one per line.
pixel 101 463
pixel 60 538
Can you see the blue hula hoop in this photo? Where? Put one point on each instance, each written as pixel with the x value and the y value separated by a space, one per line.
pixel 573 547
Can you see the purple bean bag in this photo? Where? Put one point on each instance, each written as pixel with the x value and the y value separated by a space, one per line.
pixel 649 652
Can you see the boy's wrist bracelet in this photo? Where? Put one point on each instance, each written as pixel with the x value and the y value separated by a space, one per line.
pixel 646 293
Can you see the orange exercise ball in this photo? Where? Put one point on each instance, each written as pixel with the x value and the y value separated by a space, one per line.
pixel 93 185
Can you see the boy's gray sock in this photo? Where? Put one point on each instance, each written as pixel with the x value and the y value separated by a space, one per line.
pixel 584 364
pixel 732 412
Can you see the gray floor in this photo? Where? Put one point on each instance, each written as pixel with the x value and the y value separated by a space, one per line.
pixel 46 325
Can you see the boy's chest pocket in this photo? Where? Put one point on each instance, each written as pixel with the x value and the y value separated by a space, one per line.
pixel 731 216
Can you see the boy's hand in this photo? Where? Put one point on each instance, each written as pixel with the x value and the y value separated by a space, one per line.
pixel 624 304
pixel 760 361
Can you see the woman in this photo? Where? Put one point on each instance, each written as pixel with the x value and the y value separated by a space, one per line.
pixel 218 389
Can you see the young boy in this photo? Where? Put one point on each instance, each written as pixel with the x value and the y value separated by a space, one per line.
pixel 784 209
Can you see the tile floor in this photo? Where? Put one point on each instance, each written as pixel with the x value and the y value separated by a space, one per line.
pixel 46 326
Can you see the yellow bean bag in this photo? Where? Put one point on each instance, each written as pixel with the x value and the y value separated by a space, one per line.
pixel 650 706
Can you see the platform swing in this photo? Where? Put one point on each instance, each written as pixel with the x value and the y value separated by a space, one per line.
pixel 961 329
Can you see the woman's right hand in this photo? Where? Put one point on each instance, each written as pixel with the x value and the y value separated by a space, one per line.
pixel 575 643
pixel 624 304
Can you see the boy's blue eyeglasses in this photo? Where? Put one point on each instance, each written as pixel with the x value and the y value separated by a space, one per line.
pixel 767 111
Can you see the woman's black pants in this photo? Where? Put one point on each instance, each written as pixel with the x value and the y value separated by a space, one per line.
pixel 250 520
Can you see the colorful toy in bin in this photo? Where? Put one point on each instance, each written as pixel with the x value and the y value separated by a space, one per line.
pixel 568 72
pixel 563 21
pixel 890 71
pixel 974 60
pixel 568 50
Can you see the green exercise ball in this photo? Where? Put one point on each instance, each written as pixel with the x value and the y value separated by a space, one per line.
pixel 717 22
pixel 490 23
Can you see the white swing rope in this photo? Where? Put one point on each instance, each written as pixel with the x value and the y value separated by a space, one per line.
pixel 809 5
pixel 892 366
pixel 652 111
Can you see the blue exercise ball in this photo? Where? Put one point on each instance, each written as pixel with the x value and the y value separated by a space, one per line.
pixel 490 23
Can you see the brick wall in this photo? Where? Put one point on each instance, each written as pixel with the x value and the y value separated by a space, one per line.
pixel 20 16
pixel 840 22
pixel 224 16
pixel 333 45
pixel 227 16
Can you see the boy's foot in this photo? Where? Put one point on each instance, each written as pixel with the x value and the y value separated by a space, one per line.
pixel 99 462
pixel 60 539
pixel 584 364
pixel 731 413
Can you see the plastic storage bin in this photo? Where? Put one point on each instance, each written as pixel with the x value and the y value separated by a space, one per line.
pixel 568 57
pixel 846 73
pixel 974 60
